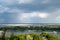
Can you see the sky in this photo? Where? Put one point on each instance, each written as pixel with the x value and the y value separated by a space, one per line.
pixel 29 11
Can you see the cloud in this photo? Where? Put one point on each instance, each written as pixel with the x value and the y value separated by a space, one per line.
pixel 45 1
pixel 28 16
pixel 43 15
pixel 9 10
pixel 14 2
pixel 14 10
pixel 54 16
pixel 31 5
pixel 25 1
pixel 57 15
pixel 2 20
pixel 31 11
pixel 3 9
pixel 58 19
pixel 8 2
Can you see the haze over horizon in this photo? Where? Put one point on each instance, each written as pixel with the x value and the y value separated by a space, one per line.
pixel 29 11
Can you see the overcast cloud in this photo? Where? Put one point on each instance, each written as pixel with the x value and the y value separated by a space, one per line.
pixel 29 11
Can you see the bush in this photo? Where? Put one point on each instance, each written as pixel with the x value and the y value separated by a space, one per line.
pixel 12 36
pixel 42 36
pixel 36 37
pixel 22 37
pixel 49 36
pixel 29 37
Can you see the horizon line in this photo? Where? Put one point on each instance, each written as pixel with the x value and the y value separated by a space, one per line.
pixel 29 23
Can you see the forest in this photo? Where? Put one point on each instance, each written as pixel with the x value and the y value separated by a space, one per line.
pixel 22 28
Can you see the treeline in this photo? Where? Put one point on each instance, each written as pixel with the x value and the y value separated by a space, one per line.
pixel 22 28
